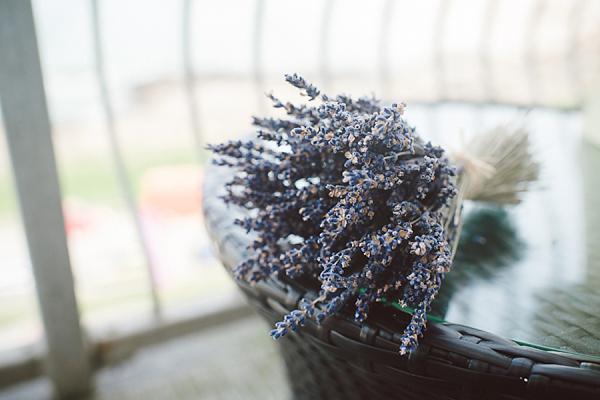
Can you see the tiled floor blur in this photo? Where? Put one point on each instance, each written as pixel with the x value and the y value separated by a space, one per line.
pixel 233 361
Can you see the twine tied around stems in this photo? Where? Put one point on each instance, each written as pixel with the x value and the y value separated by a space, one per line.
pixel 496 166
pixel 476 171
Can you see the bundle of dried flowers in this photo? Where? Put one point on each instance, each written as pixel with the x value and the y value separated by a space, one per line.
pixel 348 195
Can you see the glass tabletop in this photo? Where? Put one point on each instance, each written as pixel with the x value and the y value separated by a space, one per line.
pixel 529 272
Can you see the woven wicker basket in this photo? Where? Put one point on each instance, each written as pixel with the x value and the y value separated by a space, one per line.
pixel 342 359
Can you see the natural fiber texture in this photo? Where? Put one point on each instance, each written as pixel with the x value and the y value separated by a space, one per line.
pixel 342 359
pixel 499 165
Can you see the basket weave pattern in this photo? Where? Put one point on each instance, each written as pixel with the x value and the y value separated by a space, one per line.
pixel 342 359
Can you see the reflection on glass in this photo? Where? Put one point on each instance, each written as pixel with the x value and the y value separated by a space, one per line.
pixel 531 273
pixel 488 243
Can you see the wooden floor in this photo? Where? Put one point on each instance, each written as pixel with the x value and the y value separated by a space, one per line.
pixel 233 361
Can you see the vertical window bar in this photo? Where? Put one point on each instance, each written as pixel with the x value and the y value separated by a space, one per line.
pixel 485 50
pixel 190 78
pixel 439 74
pixel 530 62
pixel 117 155
pixel 324 45
pixel 438 51
pixel 383 67
pixel 28 135
pixel 257 55
pixel 573 56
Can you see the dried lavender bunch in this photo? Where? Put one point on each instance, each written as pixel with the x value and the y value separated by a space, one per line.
pixel 348 195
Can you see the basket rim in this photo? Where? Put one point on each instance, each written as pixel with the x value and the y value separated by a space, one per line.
pixel 463 352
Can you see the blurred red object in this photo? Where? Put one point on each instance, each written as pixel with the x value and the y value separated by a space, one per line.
pixel 172 190
pixel 77 214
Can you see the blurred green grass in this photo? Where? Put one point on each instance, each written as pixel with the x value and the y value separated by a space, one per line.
pixel 94 178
